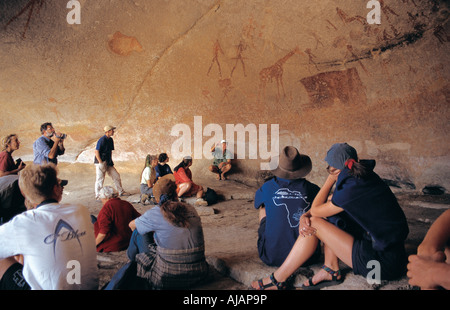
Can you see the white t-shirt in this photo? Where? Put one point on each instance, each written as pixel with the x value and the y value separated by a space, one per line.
pixel 146 174
pixel 58 245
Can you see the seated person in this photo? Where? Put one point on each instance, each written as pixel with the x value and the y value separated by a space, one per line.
pixel 7 165
pixel 167 246
pixel 12 201
pixel 112 233
pixel 148 177
pixel 379 231
pixel 50 239
pixel 281 201
pixel 185 186
pixel 162 168
pixel 430 268
pixel 222 160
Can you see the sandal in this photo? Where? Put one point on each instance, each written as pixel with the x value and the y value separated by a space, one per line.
pixel 334 280
pixel 273 282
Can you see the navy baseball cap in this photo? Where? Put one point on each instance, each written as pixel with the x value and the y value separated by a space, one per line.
pixel 339 153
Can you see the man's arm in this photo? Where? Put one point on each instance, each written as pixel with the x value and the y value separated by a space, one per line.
pixel 55 148
pixel 97 155
pixel 437 236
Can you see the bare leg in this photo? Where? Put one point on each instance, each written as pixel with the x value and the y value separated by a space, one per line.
pixel 215 169
pixel 200 192
pixel 331 261
pixel 183 188
pixel 302 250
pixel 338 244
pixel 337 240
pixel 225 168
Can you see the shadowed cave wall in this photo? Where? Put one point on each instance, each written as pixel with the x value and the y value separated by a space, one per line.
pixel 316 69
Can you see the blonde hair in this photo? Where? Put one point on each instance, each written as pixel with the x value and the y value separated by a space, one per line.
pixel 37 182
pixel 7 140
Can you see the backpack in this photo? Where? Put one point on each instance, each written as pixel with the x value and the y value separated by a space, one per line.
pixel 211 196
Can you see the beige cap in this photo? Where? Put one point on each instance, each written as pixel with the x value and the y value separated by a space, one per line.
pixel 108 128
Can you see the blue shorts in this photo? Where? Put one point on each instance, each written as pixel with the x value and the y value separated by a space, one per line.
pixel 392 260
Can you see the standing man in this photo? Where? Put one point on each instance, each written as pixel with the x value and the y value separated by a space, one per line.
pixel 222 160
pixel 104 163
pixel 48 146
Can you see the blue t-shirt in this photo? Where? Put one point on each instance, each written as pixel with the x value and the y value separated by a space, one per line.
pixel 105 146
pixel 162 170
pixel 285 201
pixel 371 203
pixel 169 236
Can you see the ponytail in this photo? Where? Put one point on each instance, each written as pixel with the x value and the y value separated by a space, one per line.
pixel 357 169
pixel 175 213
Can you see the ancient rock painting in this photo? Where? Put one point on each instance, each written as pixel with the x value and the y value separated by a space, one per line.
pixel 311 59
pixel 31 5
pixel 123 45
pixel 349 19
pixel 242 46
pixel 440 33
pixel 327 88
pixel 354 57
pixel 275 72
pixel 226 86
pixel 215 60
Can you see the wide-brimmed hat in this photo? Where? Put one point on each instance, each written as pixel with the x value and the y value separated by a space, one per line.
pixel 292 165
pixel 165 186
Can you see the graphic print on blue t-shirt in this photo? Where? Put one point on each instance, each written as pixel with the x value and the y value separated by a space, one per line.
pixel 285 196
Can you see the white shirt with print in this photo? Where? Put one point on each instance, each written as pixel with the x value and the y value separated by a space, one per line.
pixel 58 245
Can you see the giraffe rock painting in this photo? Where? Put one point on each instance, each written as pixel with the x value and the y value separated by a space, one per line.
pixel 275 72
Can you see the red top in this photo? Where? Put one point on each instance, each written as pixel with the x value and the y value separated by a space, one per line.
pixel 6 162
pixel 183 175
pixel 113 221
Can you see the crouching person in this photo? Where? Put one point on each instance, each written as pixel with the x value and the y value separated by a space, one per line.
pixel 51 246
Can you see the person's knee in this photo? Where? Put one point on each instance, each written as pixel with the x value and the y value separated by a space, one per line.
pixel 317 222
pixel 185 186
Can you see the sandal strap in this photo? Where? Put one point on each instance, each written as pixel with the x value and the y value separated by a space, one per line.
pixel 334 273
pixel 279 285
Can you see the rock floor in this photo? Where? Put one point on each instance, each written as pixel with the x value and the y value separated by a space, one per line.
pixel 230 230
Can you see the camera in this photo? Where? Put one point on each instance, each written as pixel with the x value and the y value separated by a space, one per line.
pixel 62 136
